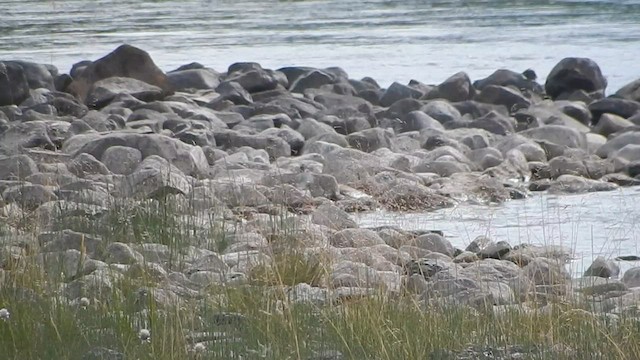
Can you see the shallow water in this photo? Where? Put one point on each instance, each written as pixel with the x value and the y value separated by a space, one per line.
pixel 604 223
pixel 388 40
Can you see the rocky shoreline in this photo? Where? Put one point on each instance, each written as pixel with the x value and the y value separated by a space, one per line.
pixel 274 160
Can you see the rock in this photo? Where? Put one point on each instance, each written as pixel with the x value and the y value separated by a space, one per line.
pixel 121 159
pixel 332 217
pixel 295 140
pixel 84 165
pixel 418 120
pixel 557 134
pixel 456 88
pixel 102 92
pixel 576 109
pixel 371 139
pixel 353 275
pixel 189 159
pixel 252 77
pixel 97 285
pixel 124 61
pixel 14 86
pixel 434 243
pixel 572 184
pixel 17 167
pixel 504 77
pixel 28 196
pixel 355 238
pixel 275 146
pixel 563 165
pixel 542 271
pixel 311 80
pixel 192 79
pixel 500 95
pixel 602 267
pixel 155 177
pixel 425 268
pixel 495 250
pixel 609 124
pixel 120 253
pixel 621 107
pixel 209 262
pixel 478 244
pixel 442 111
pixel 316 184
pixel 494 123
pixel 572 74
pixel 616 143
pixel 596 285
pixel 631 277
pixel 397 92
pixel 630 91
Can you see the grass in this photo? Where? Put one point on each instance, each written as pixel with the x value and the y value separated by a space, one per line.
pixel 258 318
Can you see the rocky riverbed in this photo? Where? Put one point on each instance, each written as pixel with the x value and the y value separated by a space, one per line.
pixel 241 166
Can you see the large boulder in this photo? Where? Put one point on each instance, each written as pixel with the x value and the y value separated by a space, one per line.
pixel 572 74
pixel 14 87
pixel 456 88
pixel 631 91
pixel 17 167
pixel 602 267
pixel 38 75
pixel 557 134
pixel 124 61
pixel 193 79
pixel 616 143
pixel 397 92
pixel 102 92
pixel 504 77
pixel 155 177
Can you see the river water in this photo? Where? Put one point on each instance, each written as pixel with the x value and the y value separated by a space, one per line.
pixel 389 41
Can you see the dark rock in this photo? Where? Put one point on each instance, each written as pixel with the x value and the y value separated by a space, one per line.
pixel 155 177
pixel 423 267
pixel 494 123
pixel 38 75
pixel 572 74
pixel 418 120
pixel 500 95
pixel 631 91
pixel 456 88
pixel 478 244
pixel 193 79
pixel 540 185
pixel 503 77
pixel 17 167
pixel 397 92
pixel 576 109
pixel 234 92
pixel 602 267
pixel 14 86
pixel 631 277
pixel 442 111
pixel 252 77
pixel 124 61
pixel 311 80
pixel 621 107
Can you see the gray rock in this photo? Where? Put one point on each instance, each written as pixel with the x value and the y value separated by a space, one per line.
pixel 631 277
pixel 610 123
pixel 504 77
pixel 602 267
pixel 84 165
pixel 353 275
pixel 120 253
pixel 97 285
pixel 295 140
pixel 597 285
pixel 155 177
pixel 500 95
pixel 189 159
pixel 332 217
pixel 275 146
pixel 479 243
pixel 208 262
pixel 397 92
pixel 312 80
pixel 543 271
pixel 121 160
pixel 102 92
pixel 621 107
pixel 316 184
pixel 14 86
pixel 418 120
pixel 616 143
pixel 192 79
pixel 253 79
pixel 28 196
pixel 495 250
pixel 371 139
pixel 572 184
pixel 630 91
pixel 17 167
pixel 355 238
pixel 572 74
pixel 435 243
pixel 442 111
pixel 456 88
pixel 557 134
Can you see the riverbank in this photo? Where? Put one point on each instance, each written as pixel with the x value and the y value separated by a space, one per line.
pixel 131 196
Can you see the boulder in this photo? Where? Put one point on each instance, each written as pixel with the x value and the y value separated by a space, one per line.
pixel 456 88
pixel 193 79
pixel 616 143
pixel 371 139
pixel 102 92
pixel 252 77
pixel 504 77
pixel 155 177
pixel 442 111
pixel 332 217
pixel 435 243
pixel 14 86
pixel 500 95
pixel 17 167
pixel 311 80
pixel 631 277
pixel 28 196
pixel 542 271
pixel 418 120
pixel 121 159
pixel 397 92
pixel 631 91
pixel 355 238
pixel 38 76
pixel 572 184
pixel 557 134
pixel 621 107
pixel 124 61
pixel 495 250
pixel 572 74
pixel 602 267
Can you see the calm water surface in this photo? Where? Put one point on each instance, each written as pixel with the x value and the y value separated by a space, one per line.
pixel 604 223
pixel 388 40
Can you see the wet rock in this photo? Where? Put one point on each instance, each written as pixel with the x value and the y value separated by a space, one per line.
pixel 14 86
pixel 124 61
pixel 602 267
pixel 572 74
